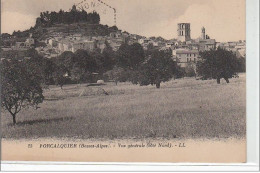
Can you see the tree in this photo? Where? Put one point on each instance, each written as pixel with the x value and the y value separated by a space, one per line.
pixel 85 60
pixel 130 56
pixel 190 70
pixel 44 66
pixel 78 74
pixel 123 54
pixel 99 62
pixel 109 57
pixel 117 74
pixel 159 67
pixel 68 59
pixel 48 19
pixel 217 64
pixel 59 75
pixel 179 72
pixel 21 87
pixel 137 56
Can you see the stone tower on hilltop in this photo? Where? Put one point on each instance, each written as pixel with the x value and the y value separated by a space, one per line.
pixel 183 31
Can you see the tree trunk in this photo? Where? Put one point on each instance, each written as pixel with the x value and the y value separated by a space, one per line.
pixel 226 79
pixel 218 80
pixel 14 120
pixel 158 85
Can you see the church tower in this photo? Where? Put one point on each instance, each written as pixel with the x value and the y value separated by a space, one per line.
pixel 183 31
pixel 203 33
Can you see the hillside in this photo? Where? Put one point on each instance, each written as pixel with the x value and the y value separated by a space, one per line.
pixel 60 23
pixel 84 29
pixel 41 33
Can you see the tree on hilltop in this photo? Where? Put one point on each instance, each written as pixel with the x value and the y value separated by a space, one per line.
pixel 48 19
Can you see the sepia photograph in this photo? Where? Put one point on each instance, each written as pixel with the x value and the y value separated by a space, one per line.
pixel 123 80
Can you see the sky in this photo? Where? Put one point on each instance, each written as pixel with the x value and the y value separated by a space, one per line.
pixel 224 20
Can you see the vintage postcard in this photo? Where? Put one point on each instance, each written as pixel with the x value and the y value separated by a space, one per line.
pixel 123 81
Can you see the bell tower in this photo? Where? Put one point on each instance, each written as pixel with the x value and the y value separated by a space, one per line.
pixel 203 33
pixel 183 31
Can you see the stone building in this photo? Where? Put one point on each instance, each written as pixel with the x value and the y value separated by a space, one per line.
pixel 29 41
pixel 183 32
pixel 185 56
pixel 203 43
pixel 27 44
pixel 85 45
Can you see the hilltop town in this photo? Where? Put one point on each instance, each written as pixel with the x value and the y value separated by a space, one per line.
pixel 51 40
pixel 70 77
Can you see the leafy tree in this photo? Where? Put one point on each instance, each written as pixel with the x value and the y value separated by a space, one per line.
pixel 123 54
pixel 5 35
pixel 48 19
pixel 179 72
pixel 130 56
pixel 190 70
pixel 21 87
pixel 109 57
pixel 158 68
pixel 68 59
pixel 59 75
pixel 114 28
pixel 217 64
pixel 78 74
pixel 137 56
pixel 45 67
pixel 117 74
pixel 86 61
pixel 99 61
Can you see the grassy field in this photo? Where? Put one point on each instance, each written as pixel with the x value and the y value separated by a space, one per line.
pixel 183 108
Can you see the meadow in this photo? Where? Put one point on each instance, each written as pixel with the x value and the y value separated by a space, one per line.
pixel 181 108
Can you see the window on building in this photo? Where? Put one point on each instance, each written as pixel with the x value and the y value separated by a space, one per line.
pixel 187 59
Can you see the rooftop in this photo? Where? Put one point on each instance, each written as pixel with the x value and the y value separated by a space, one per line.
pixel 186 51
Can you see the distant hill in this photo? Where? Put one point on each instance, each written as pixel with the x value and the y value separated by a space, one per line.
pixel 61 23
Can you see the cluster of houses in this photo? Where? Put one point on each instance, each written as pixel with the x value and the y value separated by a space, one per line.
pixel 20 45
pixel 237 47
pixel 185 50
pixel 58 43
